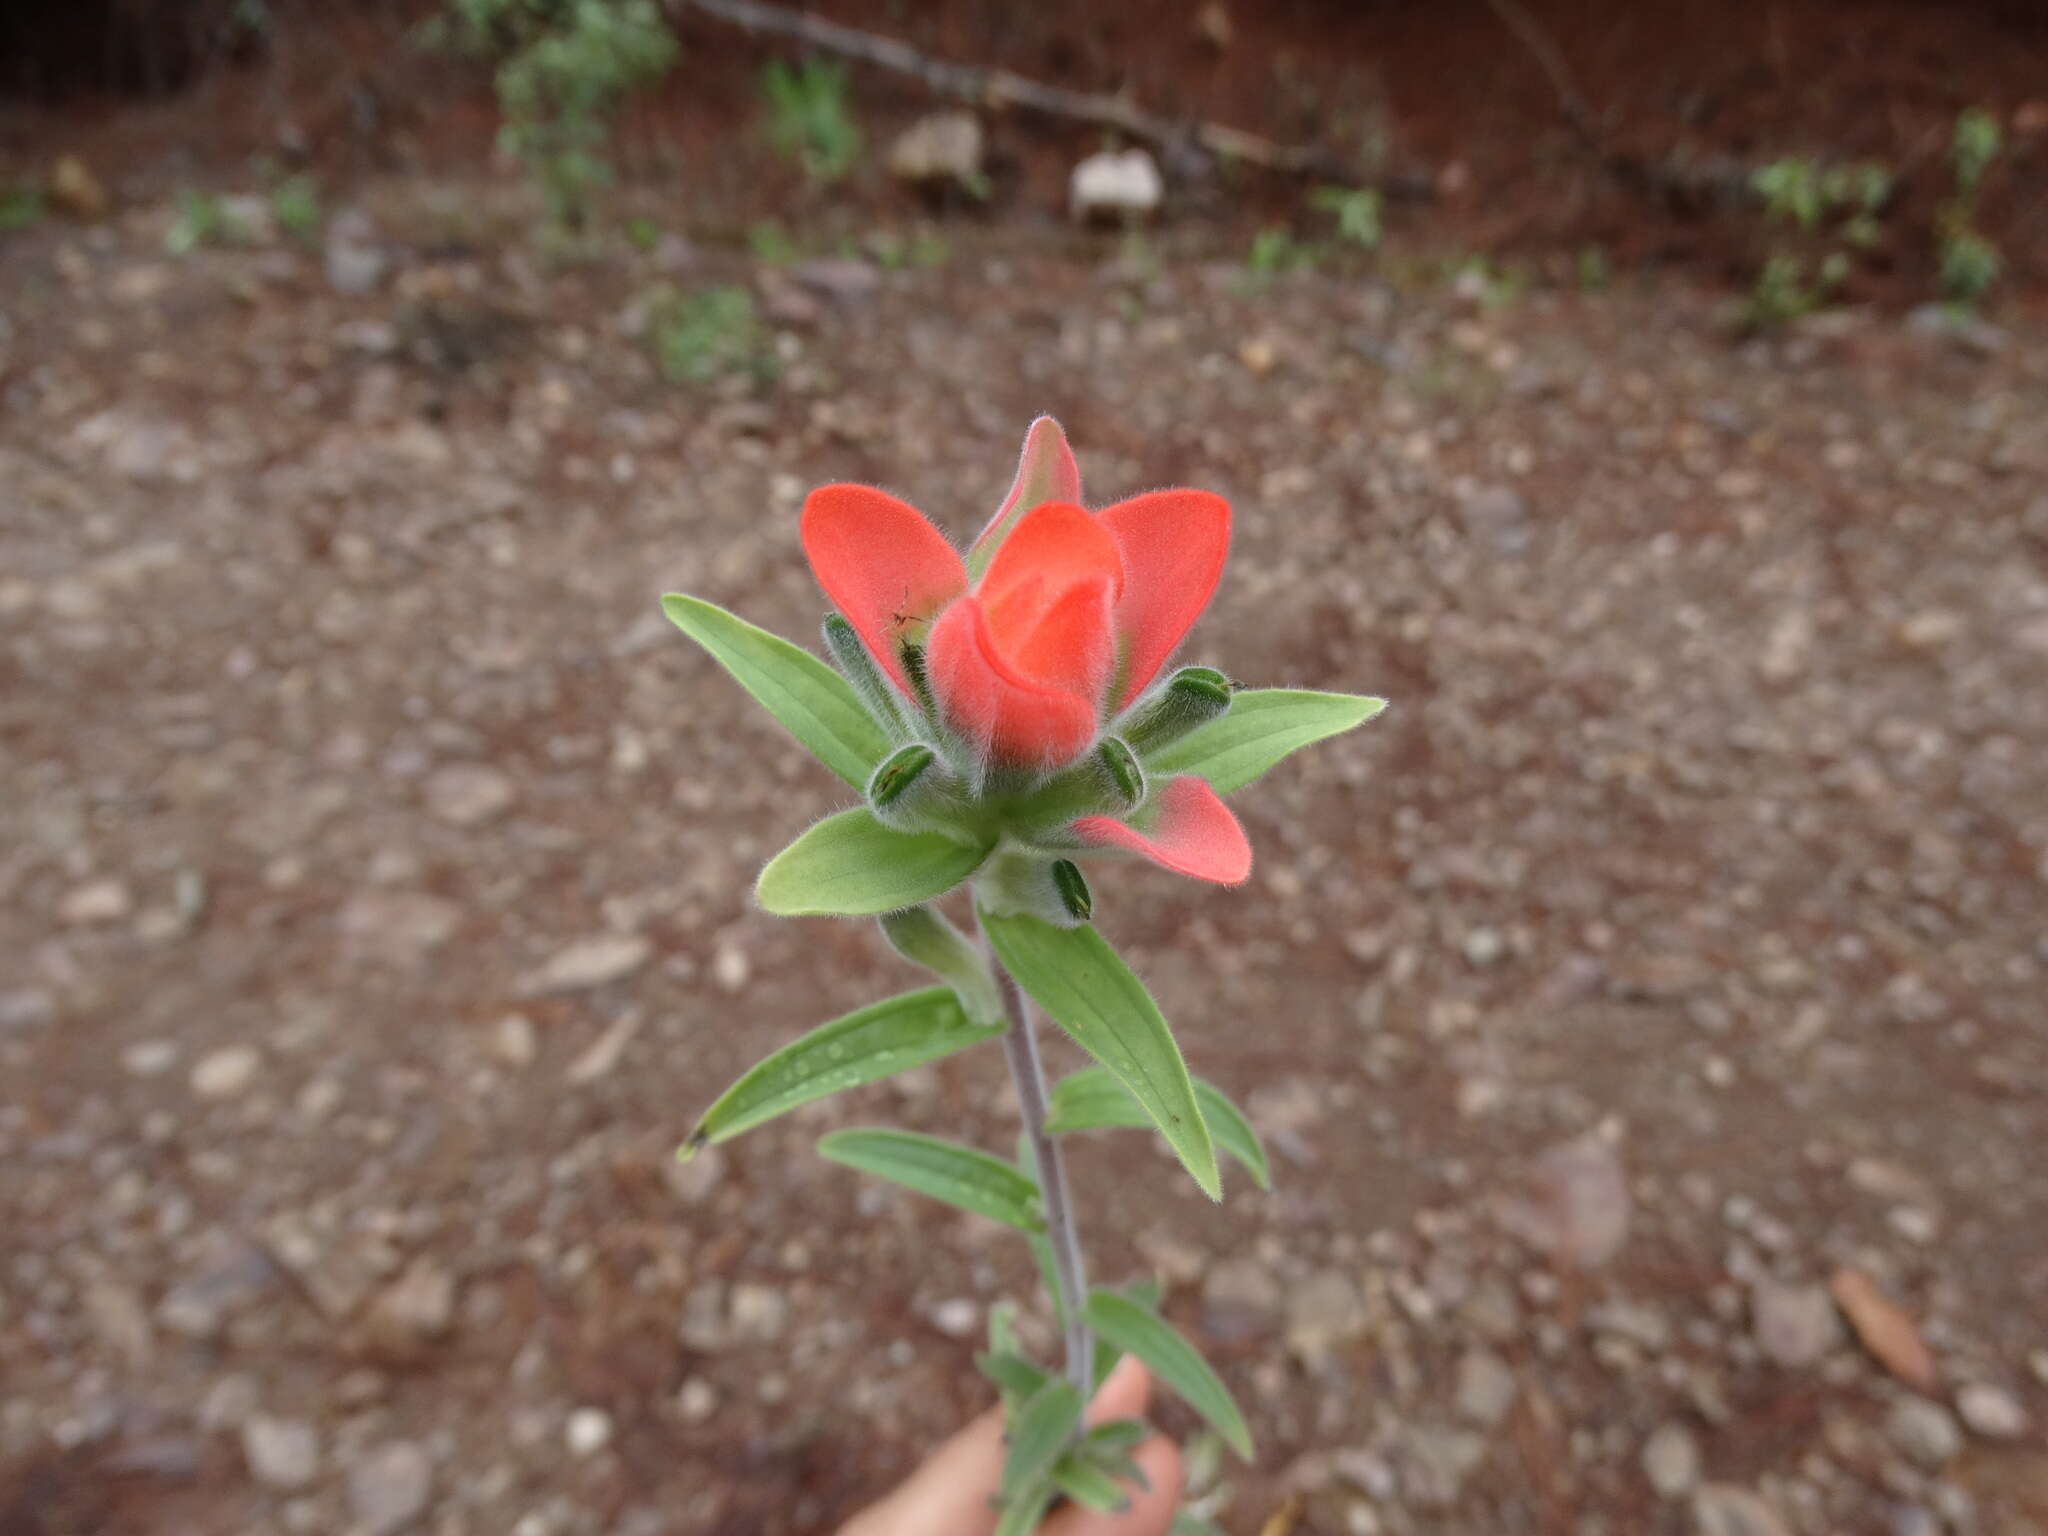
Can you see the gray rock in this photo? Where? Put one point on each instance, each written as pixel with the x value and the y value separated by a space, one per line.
pixel 587 1431
pixel 1115 185
pixel 398 927
pixel 697 1400
pixel 389 1487
pixel 957 1317
pixel 1486 1388
pixel 1795 1325
pixel 1723 1509
pixel 844 278
pixel 1497 514
pixel 356 261
pixel 281 1453
pixel 1991 1411
pixel 1638 1322
pixel 1577 1206
pixel 96 902
pixel 1671 1460
pixel 26 1009
pixel 939 148
pixel 1323 1312
pixel 226 1073
pixel 469 794
pixel 1240 1300
pixel 759 1313
pixel 703 1325
pixel 1433 1462
pixel 591 962
pixel 412 1312
pixel 1485 946
pixel 1926 1432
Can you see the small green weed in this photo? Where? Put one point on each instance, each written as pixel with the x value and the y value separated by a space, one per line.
pixel 20 207
pixel 709 334
pixel 1968 262
pixel 808 119
pixel 295 204
pixel 202 219
pixel 1357 212
pixel 564 68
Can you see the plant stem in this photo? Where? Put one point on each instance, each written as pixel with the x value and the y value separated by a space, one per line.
pixel 1020 1045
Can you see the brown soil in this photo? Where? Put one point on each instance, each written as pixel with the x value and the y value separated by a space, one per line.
pixel 1708 821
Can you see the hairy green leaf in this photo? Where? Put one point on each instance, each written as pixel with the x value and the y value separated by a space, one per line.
pixel 1093 1100
pixel 1038 1433
pixel 1088 1485
pixel 945 1170
pixel 1173 1360
pixel 861 1047
pixel 850 865
pixel 808 697
pixel 1263 726
pixel 1186 1524
pixel 1022 1514
pixel 1114 1435
pixel 1014 1376
pixel 1086 987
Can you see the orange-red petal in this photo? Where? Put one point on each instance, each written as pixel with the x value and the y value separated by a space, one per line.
pixel 1173 545
pixel 1003 713
pixel 1191 832
pixel 1046 471
pixel 881 562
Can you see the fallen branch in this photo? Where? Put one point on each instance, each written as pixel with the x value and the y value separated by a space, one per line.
pixel 1711 180
pixel 997 89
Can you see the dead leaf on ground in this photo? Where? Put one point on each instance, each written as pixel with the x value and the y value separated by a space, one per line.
pixel 1282 1520
pixel 1884 1328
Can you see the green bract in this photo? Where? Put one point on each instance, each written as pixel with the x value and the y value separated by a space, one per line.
pixel 1264 725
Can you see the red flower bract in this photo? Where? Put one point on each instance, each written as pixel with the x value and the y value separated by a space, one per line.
pixel 1058 621
pixel 1074 616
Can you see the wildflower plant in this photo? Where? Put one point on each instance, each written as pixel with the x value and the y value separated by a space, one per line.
pixel 1007 718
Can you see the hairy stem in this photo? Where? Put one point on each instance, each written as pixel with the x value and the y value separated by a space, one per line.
pixel 1020 1045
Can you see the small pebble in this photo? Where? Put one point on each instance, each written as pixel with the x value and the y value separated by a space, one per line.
pixel 588 1431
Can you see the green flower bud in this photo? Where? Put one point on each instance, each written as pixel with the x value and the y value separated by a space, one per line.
pixel 1192 697
pixel 897 772
pixel 1072 887
pixel 1120 766
pixel 920 680
pixel 876 692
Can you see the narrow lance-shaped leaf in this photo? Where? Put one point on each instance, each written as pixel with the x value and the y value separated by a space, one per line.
pixel 860 1047
pixel 1038 1433
pixel 1021 1515
pixel 945 1170
pixel 1092 1099
pixel 1014 1376
pixel 1173 1360
pixel 1084 984
pixel 1264 725
pixel 808 697
pixel 850 865
pixel 1088 1485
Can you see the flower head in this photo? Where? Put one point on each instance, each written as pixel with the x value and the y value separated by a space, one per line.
pixel 1025 663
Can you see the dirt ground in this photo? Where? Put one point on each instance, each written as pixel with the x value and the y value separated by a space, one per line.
pixel 374 870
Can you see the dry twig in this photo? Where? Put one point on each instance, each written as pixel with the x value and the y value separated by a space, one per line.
pixel 998 89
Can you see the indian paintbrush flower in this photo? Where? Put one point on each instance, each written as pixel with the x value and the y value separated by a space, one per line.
pixel 1018 664
pixel 1007 715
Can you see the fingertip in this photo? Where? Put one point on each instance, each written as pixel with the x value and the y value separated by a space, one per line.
pixel 1124 1394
